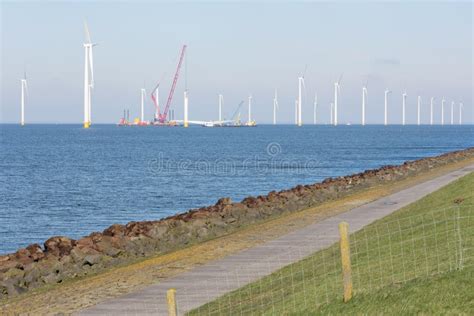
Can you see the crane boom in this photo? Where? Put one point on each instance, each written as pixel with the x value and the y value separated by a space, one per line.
pixel 237 110
pixel 163 116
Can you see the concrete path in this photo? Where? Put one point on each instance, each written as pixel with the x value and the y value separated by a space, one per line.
pixel 205 283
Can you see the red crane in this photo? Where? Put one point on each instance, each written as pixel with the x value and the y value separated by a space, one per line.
pixel 163 117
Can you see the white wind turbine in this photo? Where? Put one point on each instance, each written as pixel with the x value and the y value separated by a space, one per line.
pixel 418 111
pixel 275 106
pixel 142 110
pixel 221 100
pixel 337 89
pixel 88 77
pixel 442 111
pixel 301 85
pixel 461 106
pixel 298 108
pixel 315 108
pixel 250 109
pixel 24 93
pixel 364 101
pixel 404 102
pixel 431 110
pixel 452 112
pixel 387 92
pixel 186 109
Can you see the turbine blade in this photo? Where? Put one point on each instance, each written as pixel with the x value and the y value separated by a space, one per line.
pixel 340 78
pixel 305 69
pixel 86 30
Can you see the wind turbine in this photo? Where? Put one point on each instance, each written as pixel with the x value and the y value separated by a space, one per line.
pixel 418 110
pixel 142 110
pixel 250 109
pixel 387 92
pixel 452 112
pixel 431 110
pixel 442 111
pixel 221 100
pixel 315 108
pixel 155 97
pixel 298 108
pixel 301 85
pixel 24 92
pixel 461 106
pixel 88 77
pixel 404 101
pixel 364 101
pixel 337 88
pixel 275 106
pixel 186 105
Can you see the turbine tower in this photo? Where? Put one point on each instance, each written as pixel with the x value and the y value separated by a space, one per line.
pixel 24 92
pixel 418 110
pixel 300 99
pixel 186 102
pixel 88 77
pixel 275 107
pixel 442 111
pixel 337 88
pixel 364 101
pixel 142 110
pixel 315 108
pixel 155 96
pixel 461 106
pixel 404 101
pixel 387 92
pixel 452 112
pixel 250 109
pixel 431 110
pixel 221 100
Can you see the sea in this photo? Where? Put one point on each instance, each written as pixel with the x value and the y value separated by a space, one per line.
pixel 68 181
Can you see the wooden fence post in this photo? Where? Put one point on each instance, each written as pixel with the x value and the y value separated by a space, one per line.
pixel 346 260
pixel 171 298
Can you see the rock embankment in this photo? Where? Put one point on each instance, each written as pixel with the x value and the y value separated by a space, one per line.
pixel 62 258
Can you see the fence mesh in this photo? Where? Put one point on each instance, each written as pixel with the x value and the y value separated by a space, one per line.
pixel 389 251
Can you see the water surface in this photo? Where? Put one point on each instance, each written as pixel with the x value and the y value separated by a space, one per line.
pixel 65 180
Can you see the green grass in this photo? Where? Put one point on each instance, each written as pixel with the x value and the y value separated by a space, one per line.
pixel 449 293
pixel 419 259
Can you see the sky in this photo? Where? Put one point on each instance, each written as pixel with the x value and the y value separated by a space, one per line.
pixel 237 49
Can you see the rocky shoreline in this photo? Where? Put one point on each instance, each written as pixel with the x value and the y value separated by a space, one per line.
pixel 62 258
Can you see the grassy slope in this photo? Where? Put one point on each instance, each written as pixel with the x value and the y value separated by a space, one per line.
pixel 451 293
pixel 407 262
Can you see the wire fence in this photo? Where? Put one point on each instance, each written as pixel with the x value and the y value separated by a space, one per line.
pixel 393 250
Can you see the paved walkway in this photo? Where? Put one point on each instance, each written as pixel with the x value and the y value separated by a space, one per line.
pixel 211 280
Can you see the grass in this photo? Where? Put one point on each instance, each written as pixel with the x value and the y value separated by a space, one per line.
pixel 446 294
pixel 419 259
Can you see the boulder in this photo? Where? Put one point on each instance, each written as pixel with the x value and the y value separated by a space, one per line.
pixel 59 246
